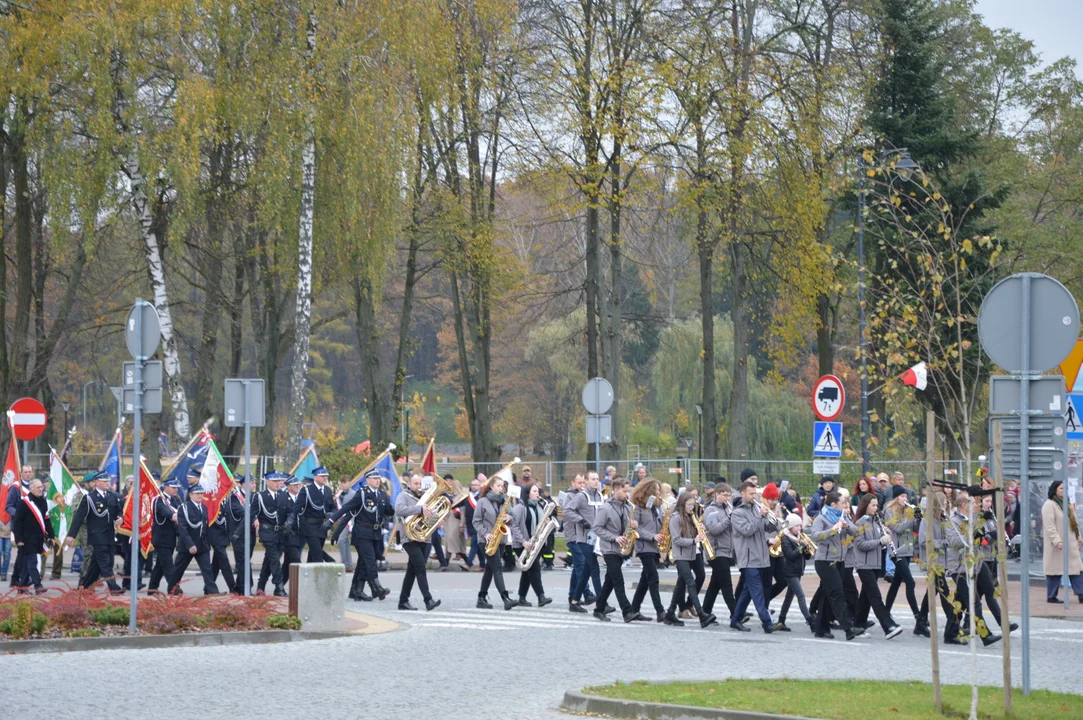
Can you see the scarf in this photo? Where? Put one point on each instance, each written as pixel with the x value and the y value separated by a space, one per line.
pixel 497 498
pixel 37 513
pixel 833 514
pixel 1071 516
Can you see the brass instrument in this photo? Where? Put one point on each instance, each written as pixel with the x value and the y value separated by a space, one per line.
pixel 630 538
pixel 775 545
pixel 708 547
pixel 500 527
pixel 804 540
pixel 419 528
pixel 663 538
pixel 809 543
pixel 547 525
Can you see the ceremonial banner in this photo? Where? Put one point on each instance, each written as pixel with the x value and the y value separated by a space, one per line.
pixel 193 454
pixel 428 460
pixel 148 490
pixel 216 481
pixel 385 465
pixel 306 463
pixel 11 476
pixel 111 461
pixel 64 496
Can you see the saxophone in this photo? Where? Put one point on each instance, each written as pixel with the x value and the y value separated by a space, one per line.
pixel 663 538
pixel 547 525
pixel 708 547
pixel 630 538
pixel 500 528
pixel 417 527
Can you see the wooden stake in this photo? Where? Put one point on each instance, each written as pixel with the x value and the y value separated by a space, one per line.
pixel 1002 571
pixel 930 554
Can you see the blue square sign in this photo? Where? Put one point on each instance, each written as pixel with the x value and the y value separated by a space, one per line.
pixel 1073 425
pixel 827 439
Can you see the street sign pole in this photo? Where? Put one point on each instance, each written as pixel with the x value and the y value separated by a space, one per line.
pixel 1024 474
pixel 137 424
pixel 598 435
pixel 249 484
pixel 245 407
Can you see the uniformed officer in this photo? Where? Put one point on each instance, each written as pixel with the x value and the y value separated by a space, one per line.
pixel 194 541
pixel 163 533
pixel 368 508
pixel 314 504
pixel 294 540
pixel 233 507
pixel 270 511
pixel 101 512
pixel 218 537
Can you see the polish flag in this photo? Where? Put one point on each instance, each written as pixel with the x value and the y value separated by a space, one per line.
pixel 11 477
pixel 916 377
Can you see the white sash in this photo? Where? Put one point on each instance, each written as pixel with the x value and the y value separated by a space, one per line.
pixel 37 513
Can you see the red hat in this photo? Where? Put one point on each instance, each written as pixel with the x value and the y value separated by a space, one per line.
pixel 770 492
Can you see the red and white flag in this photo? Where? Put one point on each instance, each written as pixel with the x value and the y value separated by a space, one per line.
pixel 11 477
pixel 148 490
pixel 428 460
pixel 216 481
pixel 916 377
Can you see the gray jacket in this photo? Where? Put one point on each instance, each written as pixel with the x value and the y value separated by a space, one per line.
pixel 849 548
pixel 828 541
pixel 611 522
pixel 650 524
pixel 684 548
pixel 957 528
pixel 868 543
pixel 750 536
pixel 901 524
pixel 939 541
pixel 716 520
pixel 579 514
pixel 485 518
pixel 517 525
pixel 406 505
pixel 988 551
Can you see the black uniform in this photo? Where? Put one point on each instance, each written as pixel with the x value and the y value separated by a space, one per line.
pixel 99 511
pixel 233 508
pixel 271 510
pixel 368 509
pixel 218 536
pixel 314 505
pixel 163 534
pixel 192 528
pixel 294 540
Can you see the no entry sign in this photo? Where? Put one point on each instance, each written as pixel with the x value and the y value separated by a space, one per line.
pixel 27 418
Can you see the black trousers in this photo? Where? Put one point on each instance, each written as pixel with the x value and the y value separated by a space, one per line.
pixel 613 583
pixel 793 590
pixel 291 555
pixel 648 582
pixel 19 575
pixel 871 599
pixel 700 575
pixel 951 628
pixel 203 560
pixel 365 571
pixel 547 551
pixel 100 565
pixel 903 576
pixel 272 565
pixel 315 548
pixel 833 601
pixel 531 577
pixel 162 568
pixel 685 589
pixel 962 596
pixel 494 574
pixel 849 588
pixel 220 564
pixel 720 580
pixel 985 584
pixel 779 583
pixel 416 553
pixel 438 548
pixel 240 565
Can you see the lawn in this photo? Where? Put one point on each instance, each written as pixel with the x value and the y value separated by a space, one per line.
pixel 849 700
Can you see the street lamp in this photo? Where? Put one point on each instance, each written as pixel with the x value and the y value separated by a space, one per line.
pixel 905 167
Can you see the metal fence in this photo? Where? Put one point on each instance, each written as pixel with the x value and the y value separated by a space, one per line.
pixel 80 463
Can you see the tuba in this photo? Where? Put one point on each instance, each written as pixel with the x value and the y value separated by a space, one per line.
pixel 420 529
pixel 547 525
pixel 500 527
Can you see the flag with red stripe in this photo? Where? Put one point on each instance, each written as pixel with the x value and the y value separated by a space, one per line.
pixel 428 460
pixel 216 481
pixel 148 490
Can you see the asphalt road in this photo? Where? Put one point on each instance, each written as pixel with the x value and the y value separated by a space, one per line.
pixel 460 662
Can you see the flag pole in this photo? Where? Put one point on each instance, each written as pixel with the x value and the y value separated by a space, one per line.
pixel 375 461
pixel 187 447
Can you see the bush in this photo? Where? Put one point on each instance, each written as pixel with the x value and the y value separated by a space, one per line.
pixel 71 609
pixel 39 623
pixel 112 615
pixel 85 633
pixel 21 622
pixel 284 622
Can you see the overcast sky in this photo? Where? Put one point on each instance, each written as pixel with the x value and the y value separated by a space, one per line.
pixel 1053 25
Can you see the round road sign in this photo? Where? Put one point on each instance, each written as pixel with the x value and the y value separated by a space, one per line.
pixel 828 398
pixel 28 418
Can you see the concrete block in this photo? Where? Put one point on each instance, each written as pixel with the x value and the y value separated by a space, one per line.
pixel 320 590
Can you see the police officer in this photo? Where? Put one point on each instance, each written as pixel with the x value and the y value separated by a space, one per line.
pixel 163 533
pixel 218 536
pixel 368 508
pixel 270 511
pixel 314 504
pixel 101 512
pixel 192 526
pixel 294 540
pixel 233 507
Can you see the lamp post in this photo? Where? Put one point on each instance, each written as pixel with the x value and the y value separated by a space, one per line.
pixel 65 406
pixel 699 429
pixel 905 167
pixel 402 404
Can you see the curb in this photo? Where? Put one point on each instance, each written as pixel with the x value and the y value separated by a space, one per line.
pixel 578 702
pixel 139 642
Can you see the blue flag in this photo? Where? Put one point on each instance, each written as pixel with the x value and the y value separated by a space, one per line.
pixel 307 463
pixel 386 467
pixel 111 461
pixel 194 455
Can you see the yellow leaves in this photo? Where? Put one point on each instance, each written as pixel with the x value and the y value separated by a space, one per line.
pixel 968 246
pixel 936 196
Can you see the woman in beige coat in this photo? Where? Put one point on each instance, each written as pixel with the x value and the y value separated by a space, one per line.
pixel 1054 545
pixel 455 541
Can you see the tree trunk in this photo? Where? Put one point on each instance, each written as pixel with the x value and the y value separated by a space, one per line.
pixel 381 416
pixel 210 252
pixel 303 311
pixel 235 439
pixel 5 366
pixel 156 270
pixel 828 312
pixel 738 421
pixel 611 340
pixel 24 274
pixel 265 299
pixel 705 247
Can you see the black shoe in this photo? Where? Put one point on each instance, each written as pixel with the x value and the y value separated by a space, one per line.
pixel 589 599
pixel 893 632
pixel 781 627
pixel 607 609
pixel 707 619
pixel 889 578
pixel 543 601
pixel 921 629
pixel 990 639
pixel 746 618
pixel 484 604
pixel 955 641
pixel 775 627
pixel 576 608
pixel 523 602
pixel 632 616
pixel 509 603
pixel 661 616
pixel 600 616
pixel 406 606
pixel 280 592
pixel 671 619
pixel 826 635
pixel 431 604
pixel 854 632
pixel 740 627
pixel 869 625
pixel 1053 601
pixel 1012 627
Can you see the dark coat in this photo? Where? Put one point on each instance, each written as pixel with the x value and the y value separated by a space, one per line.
pixel 192 526
pixel 793 557
pixel 163 533
pixel 99 512
pixel 271 509
pixel 25 525
pixel 368 509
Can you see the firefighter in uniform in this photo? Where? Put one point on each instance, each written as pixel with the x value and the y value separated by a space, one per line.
pixel 369 508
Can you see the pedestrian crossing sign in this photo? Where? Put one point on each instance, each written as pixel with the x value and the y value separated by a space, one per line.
pixel 827 439
pixel 1073 425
